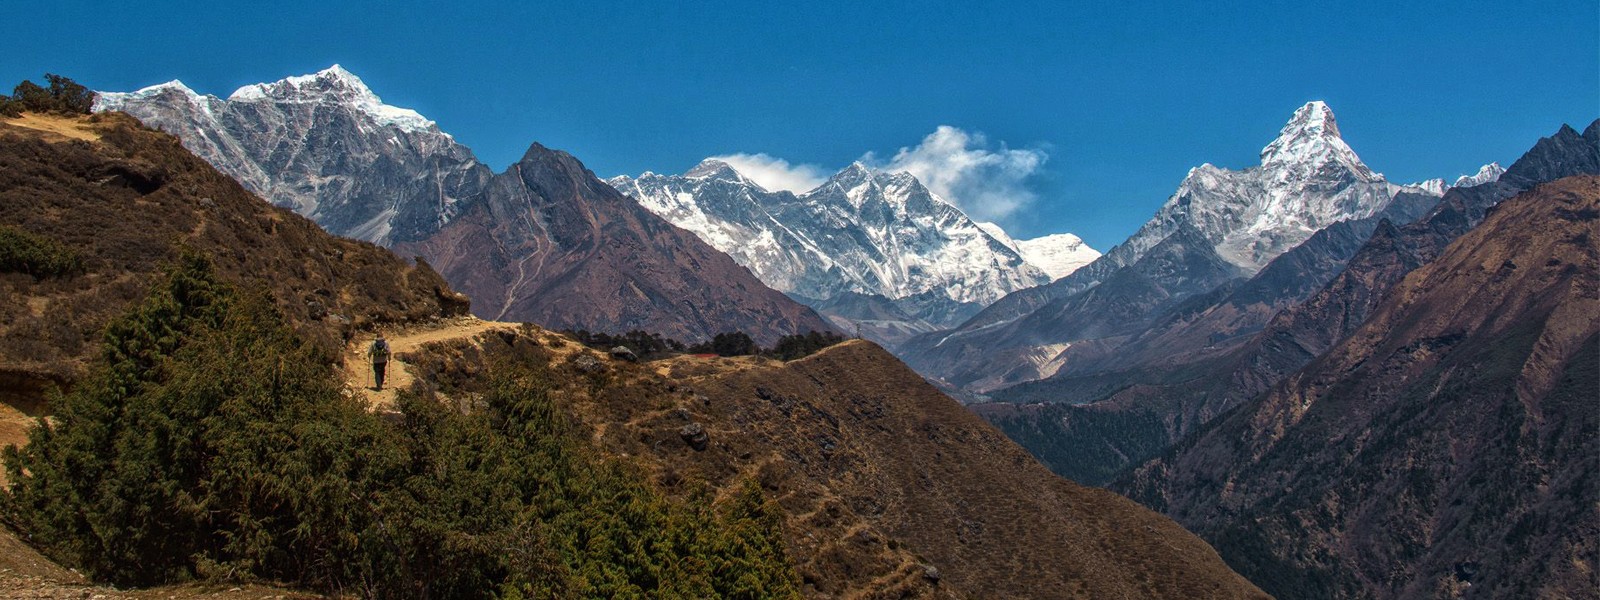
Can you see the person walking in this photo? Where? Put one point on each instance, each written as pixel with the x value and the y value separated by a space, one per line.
pixel 379 353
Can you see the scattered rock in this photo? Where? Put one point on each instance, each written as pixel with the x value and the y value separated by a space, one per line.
pixel 865 537
pixel 931 573
pixel 452 303
pixel 588 364
pixel 694 434
pixel 316 310
pixel 624 353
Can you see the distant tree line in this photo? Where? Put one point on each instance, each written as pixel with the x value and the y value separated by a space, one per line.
pixel 645 345
pixel 213 442
pixel 801 345
pixel 732 343
pixel 59 95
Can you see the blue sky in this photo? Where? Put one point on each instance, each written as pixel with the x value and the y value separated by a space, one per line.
pixel 1114 101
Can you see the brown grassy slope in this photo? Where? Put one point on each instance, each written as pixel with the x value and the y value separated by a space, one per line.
pixel 1444 449
pixel 125 197
pixel 918 467
pixel 880 476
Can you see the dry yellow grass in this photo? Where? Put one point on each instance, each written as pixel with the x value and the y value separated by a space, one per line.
pixel 56 125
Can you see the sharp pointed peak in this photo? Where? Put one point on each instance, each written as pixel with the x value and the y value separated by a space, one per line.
pixel 856 172
pixel 1312 135
pixel 1313 118
pixel 338 70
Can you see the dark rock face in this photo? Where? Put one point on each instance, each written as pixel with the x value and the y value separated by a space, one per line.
pixel 1563 154
pixel 543 242
pixel 551 244
pixel 1446 443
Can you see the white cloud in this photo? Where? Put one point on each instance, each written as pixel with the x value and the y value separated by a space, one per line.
pixel 989 185
pixel 775 173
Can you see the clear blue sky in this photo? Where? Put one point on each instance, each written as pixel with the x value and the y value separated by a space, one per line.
pixel 1124 97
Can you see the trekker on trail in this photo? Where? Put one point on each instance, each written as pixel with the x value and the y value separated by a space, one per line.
pixel 380 360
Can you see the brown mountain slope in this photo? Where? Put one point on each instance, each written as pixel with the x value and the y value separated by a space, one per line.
pixel 124 198
pixel 551 244
pixel 890 489
pixel 1445 448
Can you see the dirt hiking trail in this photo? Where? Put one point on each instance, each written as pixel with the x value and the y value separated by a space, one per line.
pixel 402 341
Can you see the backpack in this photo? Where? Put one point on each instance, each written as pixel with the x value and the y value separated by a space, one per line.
pixel 380 351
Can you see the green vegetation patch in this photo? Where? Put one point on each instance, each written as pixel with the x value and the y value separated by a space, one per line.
pixel 36 255
pixel 212 442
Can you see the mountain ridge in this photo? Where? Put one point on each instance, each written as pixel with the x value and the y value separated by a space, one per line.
pixel 861 231
pixel 1308 179
pixel 1433 410
pixel 326 146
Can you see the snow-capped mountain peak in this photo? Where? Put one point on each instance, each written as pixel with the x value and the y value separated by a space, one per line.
pixel 323 145
pixel 1311 138
pixel 1308 179
pixel 863 232
pixel 337 85
pixel 1057 254
pixel 160 88
pixel 851 177
pixel 1432 187
pixel 712 168
pixel 1437 186
pixel 1485 174
pixel 115 100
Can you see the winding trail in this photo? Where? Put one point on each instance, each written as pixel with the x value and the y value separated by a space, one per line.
pixel 358 369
